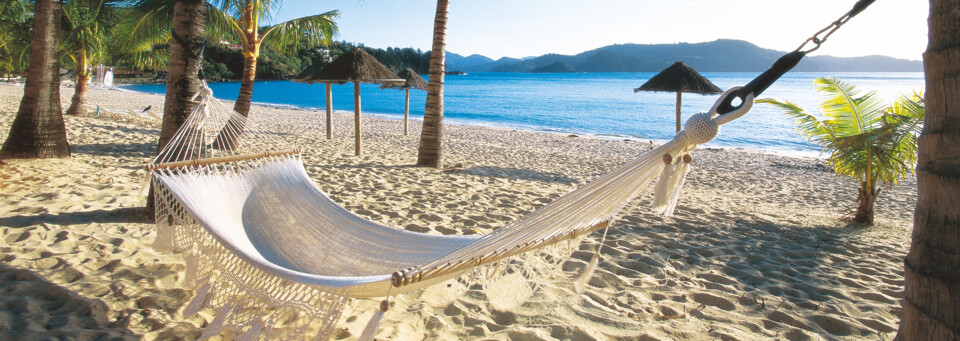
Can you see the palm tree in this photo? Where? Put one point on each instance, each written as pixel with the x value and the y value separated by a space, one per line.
pixel 89 25
pixel 430 153
pixel 188 18
pixel 183 80
pixel 931 302
pixel 37 130
pixel 242 19
pixel 868 142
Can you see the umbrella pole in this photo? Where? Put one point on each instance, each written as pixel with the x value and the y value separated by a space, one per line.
pixel 329 112
pixel 356 117
pixel 406 110
pixel 678 111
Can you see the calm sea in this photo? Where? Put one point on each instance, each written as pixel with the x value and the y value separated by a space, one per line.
pixel 600 104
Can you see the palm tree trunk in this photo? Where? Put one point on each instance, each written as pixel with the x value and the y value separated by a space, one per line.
pixel 183 81
pixel 79 94
pixel 866 197
pixel 430 153
pixel 931 304
pixel 226 141
pixel 245 96
pixel 38 130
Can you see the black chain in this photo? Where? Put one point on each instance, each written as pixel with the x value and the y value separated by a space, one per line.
pixel 788 61
pixel 817 40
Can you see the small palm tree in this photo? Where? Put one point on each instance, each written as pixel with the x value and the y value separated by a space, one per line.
pixel 867 141
pixel 86 36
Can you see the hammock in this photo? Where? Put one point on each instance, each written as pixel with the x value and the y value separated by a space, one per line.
pixel 264 243
pixel 270 251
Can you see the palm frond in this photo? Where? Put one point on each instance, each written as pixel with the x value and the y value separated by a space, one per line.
pixel 807 125
pixel 849 112
pixel 313 30
pixel 220 25
pixel 149 24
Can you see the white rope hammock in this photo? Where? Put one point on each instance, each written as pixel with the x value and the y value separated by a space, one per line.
pixel 266 245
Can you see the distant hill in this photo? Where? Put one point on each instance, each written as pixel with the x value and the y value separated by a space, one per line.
pixel 723 55
pixel 556 67
pixel 469 63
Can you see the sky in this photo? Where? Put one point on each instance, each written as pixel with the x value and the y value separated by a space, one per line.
pixel 525 28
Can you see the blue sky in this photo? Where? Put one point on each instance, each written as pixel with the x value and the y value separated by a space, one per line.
pixel 521 28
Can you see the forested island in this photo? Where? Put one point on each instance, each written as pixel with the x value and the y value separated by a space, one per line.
pixel 224 61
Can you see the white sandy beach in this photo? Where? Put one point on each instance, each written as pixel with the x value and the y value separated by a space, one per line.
pixel 757 248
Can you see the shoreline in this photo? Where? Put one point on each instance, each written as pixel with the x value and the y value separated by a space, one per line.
pixel 447 121
pixel 757 248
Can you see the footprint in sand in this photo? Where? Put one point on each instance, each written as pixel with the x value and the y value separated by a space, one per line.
pixel 715 301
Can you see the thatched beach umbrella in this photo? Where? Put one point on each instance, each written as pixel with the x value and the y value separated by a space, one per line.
pixel 679 78
pixel 413 81
pixel 355 66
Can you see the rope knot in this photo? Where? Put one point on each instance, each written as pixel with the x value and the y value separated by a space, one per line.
pixel 206 91
pixel 700 129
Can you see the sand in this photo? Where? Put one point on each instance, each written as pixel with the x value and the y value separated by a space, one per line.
pixel 757 249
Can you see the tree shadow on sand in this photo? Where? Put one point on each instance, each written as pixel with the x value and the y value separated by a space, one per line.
pixel 143 149
pixel 31 301
pixel 824 279
pixel 120 215
pixel 144 131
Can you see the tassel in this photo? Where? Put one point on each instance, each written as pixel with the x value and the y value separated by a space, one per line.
pixel 190 278
pixel 676 183
pixel 253 334
pixel 164 240
pixel 199 300
pixel 145 185
pixel 371 329
pixel 581 284
pixel 217 325
pixel 662 189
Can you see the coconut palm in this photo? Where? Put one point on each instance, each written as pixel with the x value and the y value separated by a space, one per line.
pixel 183 80
pixel 430 153
pixel 867 142
pixel 85 39
pixel 242 19
pixel 37 130
pixel 932 267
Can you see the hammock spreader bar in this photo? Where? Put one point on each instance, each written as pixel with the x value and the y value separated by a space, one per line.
pixel 787 61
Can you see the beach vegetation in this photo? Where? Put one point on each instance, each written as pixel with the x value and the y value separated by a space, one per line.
pixel 867 141
pixel 14 35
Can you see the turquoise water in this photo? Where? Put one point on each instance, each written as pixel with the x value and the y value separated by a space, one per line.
pixel 601 104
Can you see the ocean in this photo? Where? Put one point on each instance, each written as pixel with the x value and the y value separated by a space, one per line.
pixel 596 104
